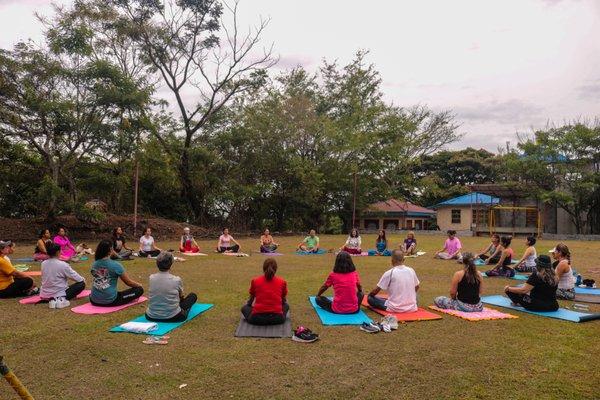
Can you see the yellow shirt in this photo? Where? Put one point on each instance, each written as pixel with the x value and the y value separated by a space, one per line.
pixel 6 271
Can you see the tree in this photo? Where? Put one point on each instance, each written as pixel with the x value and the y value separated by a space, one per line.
pixel 563 165
pixel 195 50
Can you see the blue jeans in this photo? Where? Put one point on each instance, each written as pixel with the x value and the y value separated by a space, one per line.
pixel 377 302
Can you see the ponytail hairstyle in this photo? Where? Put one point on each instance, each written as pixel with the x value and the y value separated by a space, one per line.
pixel 564 251
pixel 270 268
pixel 531 240
pixel 470 269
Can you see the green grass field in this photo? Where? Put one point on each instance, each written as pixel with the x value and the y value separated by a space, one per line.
pixel 62 355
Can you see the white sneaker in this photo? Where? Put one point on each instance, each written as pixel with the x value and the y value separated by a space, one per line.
pixel 62 303
pixel 52 303
pixel 390 321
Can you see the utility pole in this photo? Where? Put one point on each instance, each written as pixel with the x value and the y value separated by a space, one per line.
pixel 354 203
pixel 135 196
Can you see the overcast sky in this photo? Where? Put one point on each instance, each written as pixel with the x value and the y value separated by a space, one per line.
pixel 503 66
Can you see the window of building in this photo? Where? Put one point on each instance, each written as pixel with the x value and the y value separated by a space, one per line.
pixel 531 218
pixel 480 217
pixel 455 216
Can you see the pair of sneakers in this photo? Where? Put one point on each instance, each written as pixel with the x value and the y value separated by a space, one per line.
pixel 387 324
pixel 304 335
pixel 59 302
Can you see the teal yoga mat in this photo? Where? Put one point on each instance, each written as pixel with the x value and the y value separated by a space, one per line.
pixel 308 253
pixel 166 327
pixel 561 313
pixel 329 318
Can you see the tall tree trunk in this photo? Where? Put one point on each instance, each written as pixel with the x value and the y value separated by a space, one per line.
pixel 187 188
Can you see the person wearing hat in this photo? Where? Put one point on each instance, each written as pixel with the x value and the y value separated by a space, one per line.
pixel 188 244
pixel 167 302
pixel 539 292
pixel 12 282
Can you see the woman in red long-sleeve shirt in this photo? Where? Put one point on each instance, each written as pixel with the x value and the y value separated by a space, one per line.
pixel 267 303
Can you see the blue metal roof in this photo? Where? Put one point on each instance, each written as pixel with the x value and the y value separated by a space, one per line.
pixel 468 199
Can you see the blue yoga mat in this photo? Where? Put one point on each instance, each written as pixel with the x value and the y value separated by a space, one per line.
pixel 329 318
pixel 518 277
pixel 308 253
pixel 26 259
pixel 166 327
pixel 562 313
pixel 592 291
pixel 580 290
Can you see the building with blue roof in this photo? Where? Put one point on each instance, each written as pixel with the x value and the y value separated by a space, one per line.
pixel 463 212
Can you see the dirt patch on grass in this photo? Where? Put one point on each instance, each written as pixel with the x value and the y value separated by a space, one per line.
pixel 162 229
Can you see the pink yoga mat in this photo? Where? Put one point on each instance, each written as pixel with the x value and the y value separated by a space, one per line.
pixel 89 308
pixel 37 299
pixel 486 314
pixel 193 254
pixel 32 273
pixel 363 254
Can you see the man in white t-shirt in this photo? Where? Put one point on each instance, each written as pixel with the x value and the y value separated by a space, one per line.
pixel 401 284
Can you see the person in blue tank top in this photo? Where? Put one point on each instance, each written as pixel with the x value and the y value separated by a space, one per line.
pixel 380 246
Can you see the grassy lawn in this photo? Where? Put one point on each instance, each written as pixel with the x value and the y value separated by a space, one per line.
pixel 62 355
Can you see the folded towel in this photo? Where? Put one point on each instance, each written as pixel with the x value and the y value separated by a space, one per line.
pixel 139 327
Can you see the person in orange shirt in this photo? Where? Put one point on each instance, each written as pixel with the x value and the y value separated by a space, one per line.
pixel 12 282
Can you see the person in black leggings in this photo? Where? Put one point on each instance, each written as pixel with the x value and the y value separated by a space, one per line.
pixel 12 282
pixel 106 274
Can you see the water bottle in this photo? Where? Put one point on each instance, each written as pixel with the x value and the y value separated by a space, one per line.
pixel 578 281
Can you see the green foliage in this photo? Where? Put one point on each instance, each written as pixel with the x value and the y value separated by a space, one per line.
pixel 87 214
pixel 563 165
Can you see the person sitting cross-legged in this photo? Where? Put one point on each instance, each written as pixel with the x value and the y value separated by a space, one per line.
pixel 465 289
pixel 148 246
pixel 167 302
pixel 539 292
pixel 353 243
pixel 401 284
pixel 347 290
pixel 310 244
pixel 12 282
pixel 227 244
pixel 267 303
pixel 55 280
pixel 106 273
pixel 504 255
pixel 187 243
pixel 452 247
pixel 40 253
pixel 267 243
